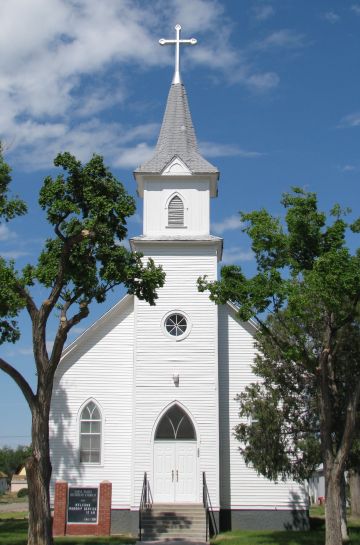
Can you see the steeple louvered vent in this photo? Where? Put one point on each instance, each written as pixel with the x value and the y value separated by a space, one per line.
pixel 176 212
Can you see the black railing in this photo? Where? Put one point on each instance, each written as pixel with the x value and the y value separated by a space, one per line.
pixel 211 526
pixel 145 502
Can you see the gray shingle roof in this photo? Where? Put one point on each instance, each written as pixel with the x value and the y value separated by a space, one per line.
pixel 177 138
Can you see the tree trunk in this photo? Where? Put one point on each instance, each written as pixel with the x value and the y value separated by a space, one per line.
pixel 332 508
pixel 38 471
pixel 344 526
pixel 354 482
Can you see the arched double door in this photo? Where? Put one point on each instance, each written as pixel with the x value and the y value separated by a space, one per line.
pixel 175 458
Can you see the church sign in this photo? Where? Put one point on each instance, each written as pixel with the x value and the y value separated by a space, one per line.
pixel 82 505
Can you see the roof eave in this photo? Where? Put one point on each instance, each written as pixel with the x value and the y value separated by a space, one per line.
pixel 219 242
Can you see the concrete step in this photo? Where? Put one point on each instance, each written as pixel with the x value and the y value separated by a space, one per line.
pixel 173 517
pixel 175 537
pixel 174 521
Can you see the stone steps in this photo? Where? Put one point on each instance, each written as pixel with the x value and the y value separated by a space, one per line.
pixel 174 521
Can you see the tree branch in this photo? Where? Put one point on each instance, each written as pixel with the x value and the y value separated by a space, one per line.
pixel 49 303
pixel 64 328
pixel 20 381
pixel 30 304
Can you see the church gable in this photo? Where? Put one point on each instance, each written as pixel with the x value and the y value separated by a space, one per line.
pixel 176 167
pixel 101 334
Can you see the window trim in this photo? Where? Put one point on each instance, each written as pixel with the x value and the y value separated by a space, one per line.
pixel 102 432
pixel 168 201
pixel 173 337
pixel 175 431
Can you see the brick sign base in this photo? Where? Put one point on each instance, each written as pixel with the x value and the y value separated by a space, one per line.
pixel 62 528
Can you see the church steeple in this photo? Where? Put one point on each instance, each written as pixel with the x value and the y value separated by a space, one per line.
pixel 177 183
pixel 177 139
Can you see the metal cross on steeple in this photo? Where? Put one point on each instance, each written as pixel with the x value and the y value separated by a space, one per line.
pixel 177 42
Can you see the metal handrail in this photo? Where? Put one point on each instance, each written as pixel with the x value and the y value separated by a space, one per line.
pixel 145 502
pixel 210 517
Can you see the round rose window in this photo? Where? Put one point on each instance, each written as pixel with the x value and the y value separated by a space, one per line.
pixel 176 325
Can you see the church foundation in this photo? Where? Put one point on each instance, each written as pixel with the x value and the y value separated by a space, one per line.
pixel 270 519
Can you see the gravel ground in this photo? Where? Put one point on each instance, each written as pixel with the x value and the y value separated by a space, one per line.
pixel 12 507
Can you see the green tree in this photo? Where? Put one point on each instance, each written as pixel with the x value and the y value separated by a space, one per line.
pixel 280 435
pixel 307 280
pixel 12 458
pixel 87 209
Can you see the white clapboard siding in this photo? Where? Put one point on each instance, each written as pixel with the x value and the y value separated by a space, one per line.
pixel 194 358
pixel 195 196
pixel 241 487
pixel 100 367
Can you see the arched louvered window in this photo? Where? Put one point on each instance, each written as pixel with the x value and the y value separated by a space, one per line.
pixel 90 434
pixel 176 212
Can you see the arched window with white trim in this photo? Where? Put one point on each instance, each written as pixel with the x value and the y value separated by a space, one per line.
pixel 175 424
pixel 176 212
pixel 90 434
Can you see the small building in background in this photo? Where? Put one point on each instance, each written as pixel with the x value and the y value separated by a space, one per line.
pixel 316 486
pixel 19 479
pixel 3 482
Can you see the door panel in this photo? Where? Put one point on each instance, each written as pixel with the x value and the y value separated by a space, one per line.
pixel 175 474
pixel 186 475
pixel 164 478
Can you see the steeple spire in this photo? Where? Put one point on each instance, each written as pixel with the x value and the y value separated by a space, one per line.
pixel 177 135
pixel 177 42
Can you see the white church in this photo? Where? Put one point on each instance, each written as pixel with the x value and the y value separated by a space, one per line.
pixel 145 398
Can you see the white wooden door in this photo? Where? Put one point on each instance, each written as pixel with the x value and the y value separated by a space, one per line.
pixel 175 474
pixel 164 471
pixel 186 475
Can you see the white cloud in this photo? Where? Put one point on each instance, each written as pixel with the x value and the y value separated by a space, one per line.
pixel 212 149
pixel 235 254
pixel 350 120
pixel 58 73
pixel 284 38
pixel 5 233
pixel 113 140
pixel 331 17
pixel 348 168
pixel 195 14
pixel 262 13
pixel 228 224
pixel 135 156
pixel 356 9
pixel 263 82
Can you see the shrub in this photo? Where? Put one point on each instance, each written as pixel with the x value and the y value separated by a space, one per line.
pixel 23 492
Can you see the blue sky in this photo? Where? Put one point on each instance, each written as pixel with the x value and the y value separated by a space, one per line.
pixel 274 94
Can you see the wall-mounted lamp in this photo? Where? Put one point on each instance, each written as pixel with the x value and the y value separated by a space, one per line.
pixel 176 380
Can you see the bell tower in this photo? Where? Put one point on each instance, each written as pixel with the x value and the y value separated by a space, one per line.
pixel 177 182
pixel 176 347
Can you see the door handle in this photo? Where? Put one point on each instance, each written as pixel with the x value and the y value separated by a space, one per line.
pixel 177 475
pixel 172 475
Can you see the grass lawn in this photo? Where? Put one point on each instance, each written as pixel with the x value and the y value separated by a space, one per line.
pixel 11 497
pixel 316 536
pixel 13 531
